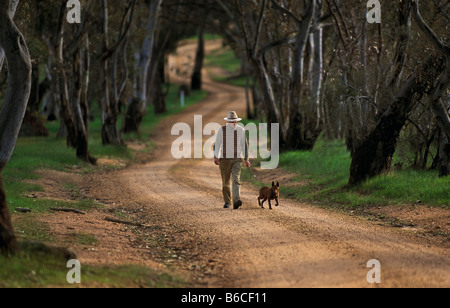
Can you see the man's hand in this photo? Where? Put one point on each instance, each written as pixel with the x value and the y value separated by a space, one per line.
pixel 216 161
pixel 248 164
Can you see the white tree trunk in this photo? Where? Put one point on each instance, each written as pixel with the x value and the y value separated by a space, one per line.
pixel 317 75
pixel 13 110
pixel 144 58
pixel 19 84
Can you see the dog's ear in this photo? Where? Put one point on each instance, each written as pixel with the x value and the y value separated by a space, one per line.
pixel 273 183
pixel 278 184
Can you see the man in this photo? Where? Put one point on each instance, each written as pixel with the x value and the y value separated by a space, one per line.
pixel 230 149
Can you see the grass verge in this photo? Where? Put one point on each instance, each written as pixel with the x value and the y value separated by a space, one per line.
pixel 38 269
pixel 29 269
pixel 321 177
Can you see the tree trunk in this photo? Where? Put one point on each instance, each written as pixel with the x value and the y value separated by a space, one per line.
pixel 317 74
pixel 256 60
pixel 138 106
pixel 271 111
pixel 302 134
pixel 158 95
pixel 399 60
pixel 251 112
pixel 196 82
pixel 110 105
pixel 71 87
pixel 34 123
pixel 374 156
pixel 13 110
pixel 50 106
pixel 109 112
pixel 439 110
pixel 8 240
pixel 60 82
pixel 12 12
pixel 133 117
pixel 80 106
pixel 444 157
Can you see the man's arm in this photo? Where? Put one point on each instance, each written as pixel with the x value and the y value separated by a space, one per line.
pixel 247 162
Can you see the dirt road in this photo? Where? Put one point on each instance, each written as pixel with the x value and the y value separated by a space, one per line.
pixel 295 245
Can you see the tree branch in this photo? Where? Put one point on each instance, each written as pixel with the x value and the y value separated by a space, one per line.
pixel 124 29
pixel 258 32
pixel 287 12
pixel 428 31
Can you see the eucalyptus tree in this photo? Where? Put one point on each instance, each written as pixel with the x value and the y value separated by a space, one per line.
pixel 283 42
pixel 69 69
pixel 427 80
pixel 113 88
pixel 440 93
pixel 13 109
pixel 138 104
pixel 13 8
pixel 167 22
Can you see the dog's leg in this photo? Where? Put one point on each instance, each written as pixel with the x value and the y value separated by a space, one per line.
pixel 276 199
pixel 259 201
pixel 262 203
pixel 270 205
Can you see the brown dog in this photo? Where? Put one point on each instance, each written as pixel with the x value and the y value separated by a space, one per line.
pixel 267 193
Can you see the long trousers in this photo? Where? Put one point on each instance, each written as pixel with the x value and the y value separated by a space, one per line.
pixel 230 169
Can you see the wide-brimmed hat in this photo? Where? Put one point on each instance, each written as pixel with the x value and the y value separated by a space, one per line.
pixel 232 117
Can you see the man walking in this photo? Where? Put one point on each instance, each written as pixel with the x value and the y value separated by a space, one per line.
pixel 230 149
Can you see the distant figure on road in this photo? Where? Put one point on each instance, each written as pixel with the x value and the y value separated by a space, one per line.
pixel 230 150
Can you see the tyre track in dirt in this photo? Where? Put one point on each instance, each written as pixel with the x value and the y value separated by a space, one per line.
pixel 295 245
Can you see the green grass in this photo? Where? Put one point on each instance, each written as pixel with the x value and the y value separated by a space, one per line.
pixel 32 154
pixel 322 176
pixel 50 153
pixel 37 269
pixel 206 37
pixel 173 105
pixel 41 153
pixel 226 59
pixel 408 186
